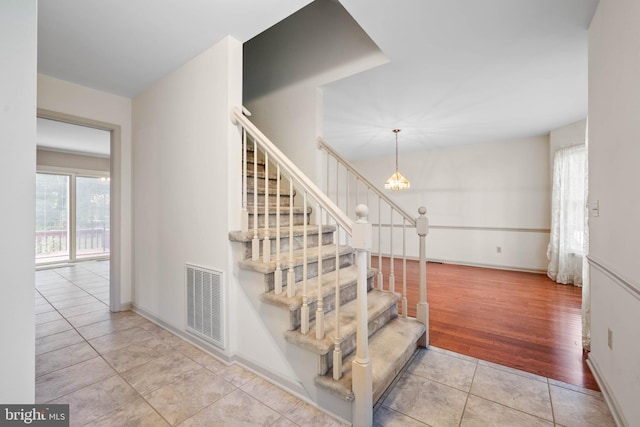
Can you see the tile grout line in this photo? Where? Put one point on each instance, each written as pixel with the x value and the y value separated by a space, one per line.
pixel 386 393
pixel 509 407
pixel 553 413
pixel 188 357
pixel 116 373
pixel 202 409
pixel 108 364
pixel 85 340
pixel 466 401
pixel 379 404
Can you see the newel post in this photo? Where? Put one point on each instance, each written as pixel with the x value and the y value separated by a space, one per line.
pixel 422 309
pixel 362 383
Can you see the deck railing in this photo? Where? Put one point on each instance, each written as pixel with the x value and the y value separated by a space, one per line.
pixel 51 243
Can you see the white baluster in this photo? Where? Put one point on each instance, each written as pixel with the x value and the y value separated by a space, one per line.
pixel 266 247
pixel 367 192
pixel 304 311
pixel 328 176
pixel 392 277
pixel 338 195
pixel 380 277
pixel 255 243
pixel 337 351
pixel 404 267
pixel 362 383
pixel 320 300
pixel 346 190
pixel 422 310
pixel 277 275
pixel 291 274
pixel 245 212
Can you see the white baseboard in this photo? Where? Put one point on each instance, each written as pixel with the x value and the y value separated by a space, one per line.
pixel 294 389
pixel 612 403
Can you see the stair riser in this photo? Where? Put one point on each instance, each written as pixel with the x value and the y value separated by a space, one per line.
pixel 251 156
pixel 284 200
pixel 298 243
pixel 400 362
pixel 328 265
pixel 260 168
pixel 348 344
pixel 347 293
pixel 298 219
pixel 273 186
pixel 260 173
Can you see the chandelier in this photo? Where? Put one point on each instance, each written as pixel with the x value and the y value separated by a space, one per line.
pixel 397 181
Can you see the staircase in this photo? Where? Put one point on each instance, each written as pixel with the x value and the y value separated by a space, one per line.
pixel 303 271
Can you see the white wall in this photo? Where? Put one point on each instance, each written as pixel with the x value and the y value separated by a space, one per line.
pixel 18 45
pixel 181 145
pixel 57 159
pixel 67 98
pixel 478 197
pixel 186 153
pixel 614 176
pixel 289 118
pixel 286 64
pixel 566 136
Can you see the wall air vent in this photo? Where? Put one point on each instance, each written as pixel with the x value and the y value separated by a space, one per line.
pixel 205 317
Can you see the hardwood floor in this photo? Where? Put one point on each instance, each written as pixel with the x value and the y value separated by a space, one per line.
pixel 521 320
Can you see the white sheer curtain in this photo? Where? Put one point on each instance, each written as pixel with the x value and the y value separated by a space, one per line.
pixel 566 246
pixel 586 276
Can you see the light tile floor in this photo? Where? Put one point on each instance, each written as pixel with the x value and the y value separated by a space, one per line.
pixel 119 369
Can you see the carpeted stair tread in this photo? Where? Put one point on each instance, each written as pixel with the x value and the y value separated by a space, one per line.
pixel 389 350
pixel 378 302
pixel 260 174
pixel 273 186
pixel 328 252
pixel 284 210
pixel 298 230
pixel 348 276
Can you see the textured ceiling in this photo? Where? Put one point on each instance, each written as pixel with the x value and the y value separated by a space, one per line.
pixel 459 72
pixel 65 137
pixel 124 46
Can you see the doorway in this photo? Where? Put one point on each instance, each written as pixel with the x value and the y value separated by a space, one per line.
pixel 94 229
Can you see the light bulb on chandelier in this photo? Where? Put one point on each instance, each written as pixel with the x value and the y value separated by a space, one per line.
pixel 397 181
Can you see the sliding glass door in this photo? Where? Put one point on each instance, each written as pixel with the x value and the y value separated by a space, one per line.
pixel 72 217
pixel 52 217
pixel 92 217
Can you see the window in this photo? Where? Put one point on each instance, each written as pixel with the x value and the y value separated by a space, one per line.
pixel 566 246
pixel 62 197
pixel 92 216
pixel 52 217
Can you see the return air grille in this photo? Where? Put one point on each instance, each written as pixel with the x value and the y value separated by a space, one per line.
pixel 204 304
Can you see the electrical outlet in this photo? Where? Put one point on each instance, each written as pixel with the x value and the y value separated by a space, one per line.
pixel 610 338
pixel 499 249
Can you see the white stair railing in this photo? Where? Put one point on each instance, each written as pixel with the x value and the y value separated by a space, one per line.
pixel 377 219
pixel 356 233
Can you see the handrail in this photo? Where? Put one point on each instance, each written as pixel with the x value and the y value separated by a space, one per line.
pixel 395 230
pixel 322 144
pixel 345 222
pixel 358 232
pixel 357 235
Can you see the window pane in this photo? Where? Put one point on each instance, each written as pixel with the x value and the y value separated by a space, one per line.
pixel 92 216
pixel 52 217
